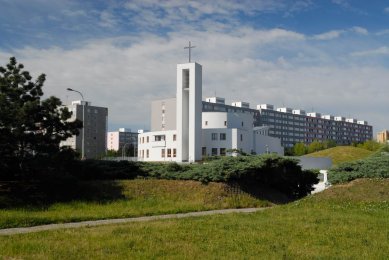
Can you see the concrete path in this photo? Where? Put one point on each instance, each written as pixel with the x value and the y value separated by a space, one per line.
pixel 13 231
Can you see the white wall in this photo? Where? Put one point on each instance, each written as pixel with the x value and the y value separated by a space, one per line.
pixel 155 147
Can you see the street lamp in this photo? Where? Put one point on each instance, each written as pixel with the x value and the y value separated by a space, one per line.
pixel 83 123
pixel 124 150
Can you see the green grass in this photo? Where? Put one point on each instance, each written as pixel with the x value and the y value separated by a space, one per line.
pixel 342 154
pixel 345 222
pixel 116 199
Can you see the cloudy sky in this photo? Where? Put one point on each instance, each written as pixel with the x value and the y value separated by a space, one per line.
pixel 328 56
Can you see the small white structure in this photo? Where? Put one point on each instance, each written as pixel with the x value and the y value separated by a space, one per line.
pixel 198 133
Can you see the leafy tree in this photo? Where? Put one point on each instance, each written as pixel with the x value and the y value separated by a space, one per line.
pixel 370 145
pixel 315 146
pixel 299 149
pixel 329 144
pixel 30 128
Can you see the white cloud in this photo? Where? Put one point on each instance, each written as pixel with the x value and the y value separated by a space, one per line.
pixel 359 30
pixel 328 35
pixel 384 50
pixel 259 66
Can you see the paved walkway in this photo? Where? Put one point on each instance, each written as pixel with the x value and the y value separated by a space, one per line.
pixel 13 231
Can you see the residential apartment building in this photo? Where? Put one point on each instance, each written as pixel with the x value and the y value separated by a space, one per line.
pixel 123 138
pixel 293 125
pixel 94 131
pixel 383 137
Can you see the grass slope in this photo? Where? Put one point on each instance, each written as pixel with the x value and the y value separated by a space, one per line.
pixel 342 154
pixel 347 221
pixel 117 199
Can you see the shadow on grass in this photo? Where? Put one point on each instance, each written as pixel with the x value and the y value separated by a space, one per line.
pixel 260 192
pixel 43 193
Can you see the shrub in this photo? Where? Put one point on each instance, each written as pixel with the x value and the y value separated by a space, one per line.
pixel 375 166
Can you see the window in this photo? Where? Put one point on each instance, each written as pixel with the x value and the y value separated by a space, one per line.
pixel 214 151
pixel 206 122
pixel 214 136
pixel 159 138
pixel 242 123
pixel 225 123
pixel 241 137
pixel 147 153
pixel 163 153
pixel 222 151
pixel 169 152
pixel 174 152
pixel 204 151
pixel 174 137
pixel 147 140
pixel 222 136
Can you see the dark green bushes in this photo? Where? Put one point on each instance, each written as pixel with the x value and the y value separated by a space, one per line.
pixel 375 166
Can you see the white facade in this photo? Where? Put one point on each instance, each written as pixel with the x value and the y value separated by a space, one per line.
pixel 200 133
pixel 189 109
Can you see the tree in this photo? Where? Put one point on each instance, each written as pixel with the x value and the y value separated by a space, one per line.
pixel 299 149
pixel 315 146
pixel 29 128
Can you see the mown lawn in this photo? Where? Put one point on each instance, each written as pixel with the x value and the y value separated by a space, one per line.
pixel 116 199
pixel 342 154
pixel 345 222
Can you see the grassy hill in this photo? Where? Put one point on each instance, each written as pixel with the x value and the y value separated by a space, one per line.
pixel 341 154
pixel 26 204
pixel 346 221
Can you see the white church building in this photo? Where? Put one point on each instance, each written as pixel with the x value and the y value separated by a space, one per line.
pixel 182 132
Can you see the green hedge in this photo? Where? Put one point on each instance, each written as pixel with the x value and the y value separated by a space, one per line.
pixel 375 166
pixel 281 173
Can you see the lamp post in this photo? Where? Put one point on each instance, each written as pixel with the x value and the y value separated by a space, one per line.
pixel 83 123
pixel 124 150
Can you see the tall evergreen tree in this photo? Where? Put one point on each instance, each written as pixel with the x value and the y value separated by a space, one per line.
pixel 29 127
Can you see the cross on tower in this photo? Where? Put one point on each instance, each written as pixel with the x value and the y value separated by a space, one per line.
pixel 189 47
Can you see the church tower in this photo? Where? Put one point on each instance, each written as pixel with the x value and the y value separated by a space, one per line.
pixel 189 110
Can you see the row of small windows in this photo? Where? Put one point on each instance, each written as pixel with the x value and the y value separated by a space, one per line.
pixel 157 138
pixel 214 151
pixel 214 136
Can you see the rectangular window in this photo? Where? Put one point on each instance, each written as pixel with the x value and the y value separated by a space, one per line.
pixel 147 139
pixel 169 152
pixel 143 140
pixel 225 123
pixel 147 153
pixel 174 152
pixel 174 137
pixel 206 122
pixel 204 151
pixel 222 136
pixel 214 151
pixel 222 151
pixel 241 137
pixel 159 138
pixel 214 136
pixel 163 153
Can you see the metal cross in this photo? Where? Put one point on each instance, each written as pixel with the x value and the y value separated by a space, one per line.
pixel 189 47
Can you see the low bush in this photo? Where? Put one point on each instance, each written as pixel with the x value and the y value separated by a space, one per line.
pixel 375 166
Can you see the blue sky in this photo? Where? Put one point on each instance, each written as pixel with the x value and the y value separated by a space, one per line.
pixel 327 56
